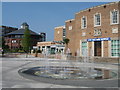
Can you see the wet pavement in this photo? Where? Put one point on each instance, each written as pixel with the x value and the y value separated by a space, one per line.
pixel 11 78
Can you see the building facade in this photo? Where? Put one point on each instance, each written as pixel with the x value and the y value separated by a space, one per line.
pixel 95 31
pixel 4 30
pixel 59 33
pixel 14 39
pixel 43 35
pixel 50 47
pixel 55 46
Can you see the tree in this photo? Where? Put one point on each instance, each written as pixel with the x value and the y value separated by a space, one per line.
pixel 66 41
pixel 1 42
pixel 26 44
pixel 3 46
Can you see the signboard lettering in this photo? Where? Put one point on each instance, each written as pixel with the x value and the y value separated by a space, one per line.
pixel 98 39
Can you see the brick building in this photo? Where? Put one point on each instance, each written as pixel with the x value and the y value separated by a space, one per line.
pixel 95 31
pixel 59 33
pixel 56 45
pixel 13 39
pixel 4 30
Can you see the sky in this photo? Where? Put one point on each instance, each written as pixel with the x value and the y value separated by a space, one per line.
pixel 42 16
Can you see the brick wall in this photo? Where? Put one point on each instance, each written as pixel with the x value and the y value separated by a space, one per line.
pixel 58 33
pixel 70 34
pixel 75 35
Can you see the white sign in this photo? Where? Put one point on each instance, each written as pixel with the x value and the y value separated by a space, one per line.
pixel 97 32
pixel 114 30
pixel 83 34
pixel 98 39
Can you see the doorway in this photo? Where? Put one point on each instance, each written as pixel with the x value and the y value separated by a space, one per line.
pixel 97 48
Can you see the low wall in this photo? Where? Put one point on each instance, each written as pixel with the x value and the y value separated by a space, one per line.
pixel 104 60
pixel 38 55
pixel 107 60
pixel 95 59
pixel 56 56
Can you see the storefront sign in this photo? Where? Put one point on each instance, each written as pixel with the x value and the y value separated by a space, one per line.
pixel 98 39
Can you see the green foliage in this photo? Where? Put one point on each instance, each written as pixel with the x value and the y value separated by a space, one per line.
pixel 26 41
pixel 34 50
pixel 20 51
pixel 2 44
pixel 39 51
pixel 6 48
pixel 14 50
pixel 66 41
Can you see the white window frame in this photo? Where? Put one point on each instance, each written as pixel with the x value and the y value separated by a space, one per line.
pixel 82 22
pixel 95 19
pixel 70 27
pixel 93 48
pixel 111 50
pixel 111 18
pixel 58 32
pixel 14 41
pixel 102 48
pixel 82 48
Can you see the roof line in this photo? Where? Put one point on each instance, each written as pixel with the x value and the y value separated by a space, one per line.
pixel 97 6
pixel 60 27
pixel 69 20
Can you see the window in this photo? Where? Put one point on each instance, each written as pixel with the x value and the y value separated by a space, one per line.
pixel 114 17
pixel 17 36
pixel 97 19
pixel 58 32
pixel 115 47
pixel 14 41
pixel 64 32
pixel 70 27
pixel 84 48
pixel 84 22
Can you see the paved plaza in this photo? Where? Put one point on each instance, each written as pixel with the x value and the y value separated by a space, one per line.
pixel 11 78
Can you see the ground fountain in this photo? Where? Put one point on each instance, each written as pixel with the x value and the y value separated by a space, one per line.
pixel 68 69
pixel 64 72
pixel 87 59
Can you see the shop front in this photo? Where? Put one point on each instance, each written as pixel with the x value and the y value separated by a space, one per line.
pixel 100 47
